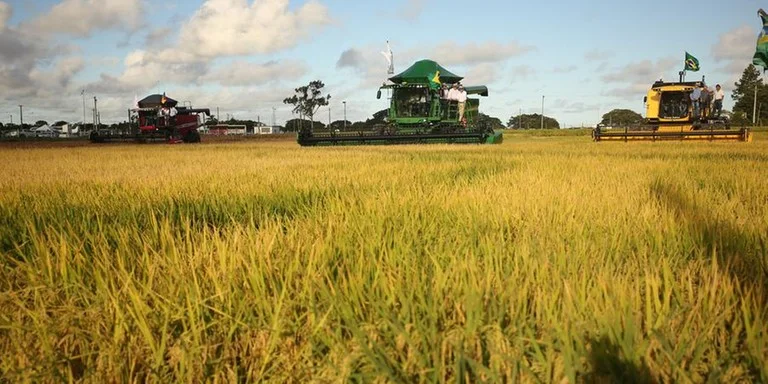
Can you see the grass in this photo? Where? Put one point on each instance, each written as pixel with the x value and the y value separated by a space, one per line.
pixel 544 259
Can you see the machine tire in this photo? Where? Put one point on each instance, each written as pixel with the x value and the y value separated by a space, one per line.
pixel 192 137
pixel 95 137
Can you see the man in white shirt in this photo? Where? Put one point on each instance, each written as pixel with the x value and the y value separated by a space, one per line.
pixel 462 99
pixel 719 96
pixel 453 93
pixel 695 95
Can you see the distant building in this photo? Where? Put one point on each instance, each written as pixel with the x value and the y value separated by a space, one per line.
pixel 66 129
pixel 267 130
pixel 225 129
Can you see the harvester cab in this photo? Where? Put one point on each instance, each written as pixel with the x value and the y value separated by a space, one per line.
pixel 675 111
pixel 419 112
pixel 157 117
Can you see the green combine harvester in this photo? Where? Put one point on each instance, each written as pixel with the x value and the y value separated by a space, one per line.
pixel 419 113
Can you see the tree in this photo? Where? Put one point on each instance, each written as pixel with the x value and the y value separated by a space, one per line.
pixel 40 123
pixel 60 123
pixel 358 126
pixel 294 125
pixel 744 92
pixel 340 124
pixel 622 117
pixel 379 117
pixel 737 119
pixel 532 121
pixel 493 122
pixel 307 100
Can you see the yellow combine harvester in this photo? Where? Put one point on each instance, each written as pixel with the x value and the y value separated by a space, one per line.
pixel 671 115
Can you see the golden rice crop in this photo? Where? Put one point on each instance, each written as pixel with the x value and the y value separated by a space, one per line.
pixel 551 259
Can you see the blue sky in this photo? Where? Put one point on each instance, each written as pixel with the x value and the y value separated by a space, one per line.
pixel 245 56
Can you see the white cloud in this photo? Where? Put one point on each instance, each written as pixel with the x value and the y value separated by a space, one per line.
pixel 736 44
pixel 58 79
pixel 219 29
pixel 83 17
pixel 598 55
pixel 142 71
pixel 241 73
pixel 483 61
pixel 632 91
pixel 644 71
pixel 29 66
pixel 157 37
pixel 522 72
pixel 5 14
pixel 237 28
pixel 351 58
pixel 107 61
pixel 564 69
pixel 635 78
pixel 411 9
pixel 481 74
pixel 573 107
pixel 734 49
pixel 451 53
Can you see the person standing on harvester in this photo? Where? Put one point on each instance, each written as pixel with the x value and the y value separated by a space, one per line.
pixel 462 99
pixel 719 96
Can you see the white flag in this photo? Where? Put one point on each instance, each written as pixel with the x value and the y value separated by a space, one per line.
pixel 390 59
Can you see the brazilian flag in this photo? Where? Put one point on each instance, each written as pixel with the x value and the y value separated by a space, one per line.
pixel 691 63
pixel 434 80
pixel 760 57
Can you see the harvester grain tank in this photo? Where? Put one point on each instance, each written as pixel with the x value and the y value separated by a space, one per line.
pixel 418 112
pixel 671 115
pixel 158 118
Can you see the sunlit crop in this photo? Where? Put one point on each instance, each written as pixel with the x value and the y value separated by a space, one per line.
pixel 542 259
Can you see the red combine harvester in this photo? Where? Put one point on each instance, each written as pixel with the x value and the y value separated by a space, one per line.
pixel 157 117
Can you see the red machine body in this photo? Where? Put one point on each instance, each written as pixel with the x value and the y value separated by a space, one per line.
pixel 159 117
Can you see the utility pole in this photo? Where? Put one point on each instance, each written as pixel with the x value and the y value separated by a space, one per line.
pixel 542 111
pixel 329 117
pixel 274 119
pixel 95 113
pixel 345 114
pixel 82 93
pixel 21 118
pixel 754 105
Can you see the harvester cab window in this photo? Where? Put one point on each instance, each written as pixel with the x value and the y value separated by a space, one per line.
pixel 150 121
pixel 674 105
pixel 412 102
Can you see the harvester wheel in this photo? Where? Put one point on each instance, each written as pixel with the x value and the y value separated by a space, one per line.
pixel 192 137
pixel 94 137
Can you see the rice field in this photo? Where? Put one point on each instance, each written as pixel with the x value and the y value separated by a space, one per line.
pixel 543 259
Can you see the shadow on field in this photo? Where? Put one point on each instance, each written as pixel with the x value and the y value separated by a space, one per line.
pixel 609 365
pixel 735 250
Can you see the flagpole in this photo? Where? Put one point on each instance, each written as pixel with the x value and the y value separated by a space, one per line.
pixel 754 104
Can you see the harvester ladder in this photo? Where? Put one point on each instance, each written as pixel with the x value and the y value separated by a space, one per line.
pixel 452 110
